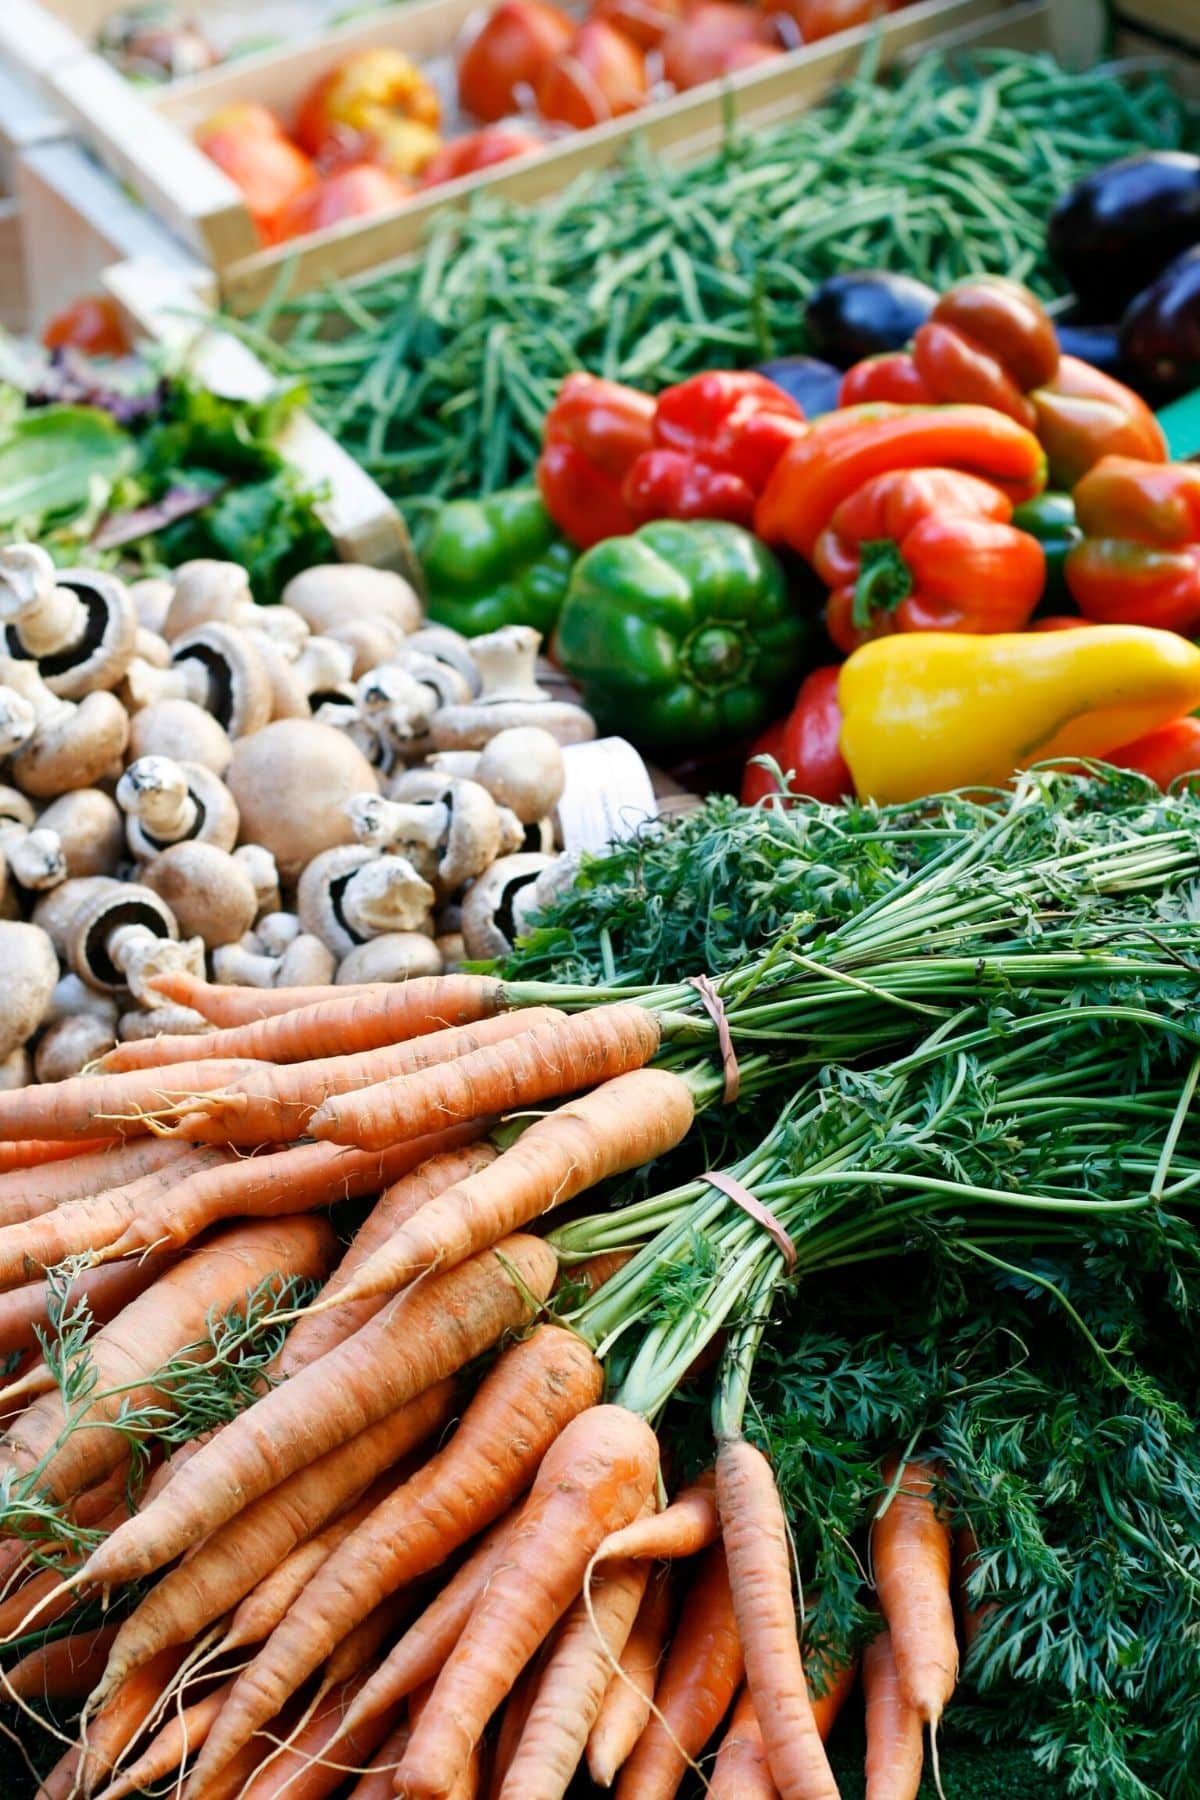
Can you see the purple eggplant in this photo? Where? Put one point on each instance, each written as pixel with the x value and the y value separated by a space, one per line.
pixel 811 384
pixel 1160 333
pixel 865 313
pixel 1117 229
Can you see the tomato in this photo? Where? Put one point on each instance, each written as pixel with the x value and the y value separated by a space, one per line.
pixel 822 18
pixel 515 45
pixel 700 46
pixel 599 77
pixel 371 105
pixel 346 194
pixel 93 323
pixel 478 150
pixel 249 144
pixel 647 22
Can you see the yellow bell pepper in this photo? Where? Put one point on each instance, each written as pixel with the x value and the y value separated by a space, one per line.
pixel 931 710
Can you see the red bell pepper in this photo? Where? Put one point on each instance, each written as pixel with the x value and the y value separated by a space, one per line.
pixel 1164 755
pixel 717 439
pixel 594 433
pixel 926 550
pixel 805 745
pixel 1139 562
pixel 893 377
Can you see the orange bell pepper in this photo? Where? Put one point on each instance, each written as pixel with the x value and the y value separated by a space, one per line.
pixel 842 450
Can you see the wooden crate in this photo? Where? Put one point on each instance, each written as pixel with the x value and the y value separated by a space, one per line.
pixel 1175 20
pixel 26 120
pixel 144 136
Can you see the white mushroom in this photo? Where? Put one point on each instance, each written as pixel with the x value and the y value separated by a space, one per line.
pixel 159 1021
pixel 332 595
pixel 510 697
pixel 152 599
pixel 73 997
pixel 450 647
pixel 276 930
pixel 496 908
pixel 69 1045
pixel 35 859
pixel 258 863
pixel 209 893
pixel 394 956
pixel 71 745
pixel 350 894
pixel 166 802
pixel 290 782
pixel 89 827
pixel 183 731
pixel 450 836
pixel 18 720
pixel 28 972
pixel 118 934
pixel 79 626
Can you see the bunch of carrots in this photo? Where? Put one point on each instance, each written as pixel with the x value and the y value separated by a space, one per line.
pixel 375 1577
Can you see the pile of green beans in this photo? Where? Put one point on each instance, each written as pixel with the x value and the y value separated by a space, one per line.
pixel 437 376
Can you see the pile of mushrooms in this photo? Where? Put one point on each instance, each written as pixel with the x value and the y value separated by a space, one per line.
pixel 324 790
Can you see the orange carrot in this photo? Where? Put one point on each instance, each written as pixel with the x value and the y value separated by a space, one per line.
pixel 592 1273
pixel 573 1684
pixel 273 1103
pixel 64 1669
pixel 224 1569
pixel 127 1353
pixel 616 1127
pixel 26 1193
pixel 318 1332
pixel 626 1706
pixel 466 1782
pixel 910 1549
pixel 556 1058
pixel 343 1022
pixel 360 1648
pixel 514 1717
pixel 229 1005
pixel 524 1402
pixel 593 1479
pixel 894 1730
pixel 45 1590
pixel 701 1675
pixel 178 1739
pixel 35 1152
pixel 106 1290
pixel 755 1535
pixel 116 1106
pixel 302 1771
pixel 295 1180
pixel 418 1339
pixel 378 1783
pixel 94 1221
pixel 685 1527
pixel 740 1771
pixel 424 1647
pixel 111 1731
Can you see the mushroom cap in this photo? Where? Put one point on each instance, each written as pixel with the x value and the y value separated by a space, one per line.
pixel 490 919
pixel 209 893
pixel 203 797
pixel 306 962
pixel 370 641
pixel 474 836
pixel 101 656
pixel 351 894
pixel 332 594
pixel 394 956
pixel 206 591
pixel 240 694
pixel 183 731
pixel 75 748
pixel 15 808
pixel 149 647
pixel 151 598
pixel 55 912
pixel 70 1044
pixel 28 973
pixel 291 781
pixel 448 646
pixel 522 768
pixel 90 829
pixel 114 904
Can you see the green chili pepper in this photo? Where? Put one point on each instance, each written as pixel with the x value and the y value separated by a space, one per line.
pixel 1051 520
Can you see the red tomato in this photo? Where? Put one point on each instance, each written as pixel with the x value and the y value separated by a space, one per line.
pixel 700 46
pixel 478 150
pixel 519 39
pixel 248 143
pixel 647 22
pixel 822 18
pixel 93 323
pixel 348 194
pixel 600 76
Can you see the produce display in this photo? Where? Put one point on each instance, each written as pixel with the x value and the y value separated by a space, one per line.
pixel 526 1272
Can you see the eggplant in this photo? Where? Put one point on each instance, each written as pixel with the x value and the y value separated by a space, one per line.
pixel 813 385
pixel 865 313
pixel 1160 333
pixel 1116 230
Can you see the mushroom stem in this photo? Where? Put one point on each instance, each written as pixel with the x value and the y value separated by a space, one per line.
pixel 44 617
pixel 388 895
pixel 18 720
pixel 155 791
pixel 36 858
pixel 140 953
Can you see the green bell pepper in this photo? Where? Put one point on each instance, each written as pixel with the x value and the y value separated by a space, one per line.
pixel 681 635
pixel 1050 518
pixel 493 562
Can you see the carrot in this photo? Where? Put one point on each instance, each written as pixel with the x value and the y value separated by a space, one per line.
pixel 377 1783
pixel 32 1378
pixel 105 1289
pixel 616 1127
pixel 418 1339
pixel 702 1673
pixel 466 1782
pixel 594 1271
pixel 685 1527
pixel 46 1591
pixel 95 1221
pixel 556 1058
pixel 755 1535
pixel 302 1771
pixel 64 1669
pixel 360 1648
pixel 424 1647
pixel 110 1733
pixel 894 1730
pixel 740 1771
pixel 25 1193
pixel 341 1022
pixel 514 1718
pixel 317 1332
pixel 128 1353
pixel 183 1733
pixel 530 1394
pixel 295 1180
pixel 35 1152
pixel 626 1706
pixel 225 1005
pixel 274 1102
pixel 910 1548
pixel 230 1563
pixel 593 1479
pixel 116 1106
pixel 573 1684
